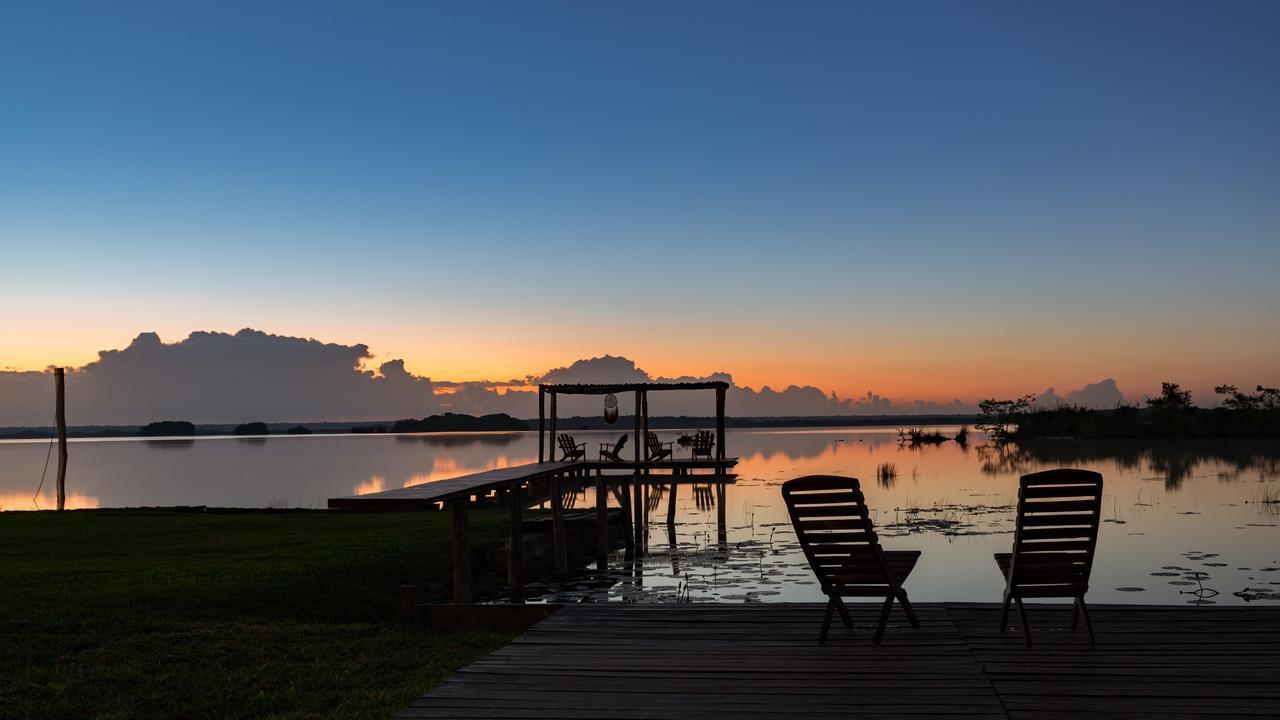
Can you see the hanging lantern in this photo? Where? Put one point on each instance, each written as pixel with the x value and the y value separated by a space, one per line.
pixel 610 409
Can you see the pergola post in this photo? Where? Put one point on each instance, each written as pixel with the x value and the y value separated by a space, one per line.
pixel 551 441
pixel 720 392
pixel 542 423
pixel 636 417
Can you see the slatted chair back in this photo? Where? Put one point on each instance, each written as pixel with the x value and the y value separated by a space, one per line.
pixel 654 444
pixel 1056 534
pixel 569 447
pixel 832 523
pixel 613 452
pixel 703 441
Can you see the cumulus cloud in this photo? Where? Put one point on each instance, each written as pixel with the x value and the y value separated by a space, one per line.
pixel 213 377
pixel 221 378
pixel 1103 394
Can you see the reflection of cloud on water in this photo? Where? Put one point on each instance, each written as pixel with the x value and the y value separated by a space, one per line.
pixel 46 501
pixel 444 467
pixel 375 483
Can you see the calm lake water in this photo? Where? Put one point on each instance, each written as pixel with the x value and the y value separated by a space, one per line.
pixel 1183 522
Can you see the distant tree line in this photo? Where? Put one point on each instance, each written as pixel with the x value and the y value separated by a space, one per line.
pixel 456 422
pixel 1170 415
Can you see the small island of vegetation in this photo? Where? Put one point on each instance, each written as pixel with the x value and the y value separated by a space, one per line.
pixel 1170 415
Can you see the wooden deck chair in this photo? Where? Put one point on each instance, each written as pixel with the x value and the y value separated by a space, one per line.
pixel 572 450
pixel 831 520
pixel 656 449
pixel 702 443
pixel 1053 543
pixel 610 451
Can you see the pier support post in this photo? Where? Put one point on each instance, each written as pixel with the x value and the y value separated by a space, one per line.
pixel 602 523
pixel 557 526
pixel 722 535
pixel 461 554
pixel 542 425
pixel 515 540
pixel 671 502
pixel 627 521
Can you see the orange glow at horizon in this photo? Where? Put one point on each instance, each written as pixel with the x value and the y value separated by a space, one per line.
pixel 897 361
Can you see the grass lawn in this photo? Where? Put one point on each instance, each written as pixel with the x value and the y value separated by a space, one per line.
pixel 122 614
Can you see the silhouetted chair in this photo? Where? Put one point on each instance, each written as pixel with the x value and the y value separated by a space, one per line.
pixel 610 451
pixel 572 450
pixel 657 449
pixel 831 521
pixel 1054 542
pixel 702 443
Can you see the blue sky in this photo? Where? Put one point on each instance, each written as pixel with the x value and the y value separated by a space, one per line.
pixel 854 195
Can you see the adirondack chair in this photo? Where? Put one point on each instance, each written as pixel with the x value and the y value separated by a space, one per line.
pixel 658 450
pixel 702 443
pixel 830 517
pixel 572 450
pixel 612 451
pixel 1053 543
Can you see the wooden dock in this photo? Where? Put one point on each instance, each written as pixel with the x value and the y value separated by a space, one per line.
pixel 680 662
pixel 509 484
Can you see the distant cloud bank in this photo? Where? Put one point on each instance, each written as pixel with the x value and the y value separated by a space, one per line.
pixel 214 377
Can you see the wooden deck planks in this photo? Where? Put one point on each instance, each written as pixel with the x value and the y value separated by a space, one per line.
pixel 676 662
pixel 426 495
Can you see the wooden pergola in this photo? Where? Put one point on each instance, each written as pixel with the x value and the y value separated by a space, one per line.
pixel 547 446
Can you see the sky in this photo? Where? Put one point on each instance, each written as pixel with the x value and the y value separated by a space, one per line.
pixel 925 200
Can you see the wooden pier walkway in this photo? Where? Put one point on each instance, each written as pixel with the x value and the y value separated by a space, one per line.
pixel 681 662
pixel 509 483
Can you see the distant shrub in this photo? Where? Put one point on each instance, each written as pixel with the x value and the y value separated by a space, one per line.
pixel 252 428
pixel 299 430
pixel 168 428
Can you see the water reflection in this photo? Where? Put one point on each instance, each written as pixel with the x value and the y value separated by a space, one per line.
pixel 1195 507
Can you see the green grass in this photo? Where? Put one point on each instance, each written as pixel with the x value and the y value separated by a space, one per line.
pixel 121 614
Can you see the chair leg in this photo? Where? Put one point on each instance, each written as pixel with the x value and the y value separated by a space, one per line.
pixel 1075 613
pixel 906 608
pixel 826 621
pixel 1022 617
pixel 884 620
pixel 1084 613
pixel 1004 612
pixel 845 617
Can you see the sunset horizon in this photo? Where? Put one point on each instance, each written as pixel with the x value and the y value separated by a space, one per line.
pixel 564 359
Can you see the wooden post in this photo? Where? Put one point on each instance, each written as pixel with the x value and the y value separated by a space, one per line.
pixel 515 539
pixel 722 535
pixel 637 505
pixel 542 424
pixel 551 441
pixel 720 391
pixel 671 502
pixel 625 497
pixel 461 554
pixel 602 523
pixel 636 417
pixel 60 418
pixel 557 523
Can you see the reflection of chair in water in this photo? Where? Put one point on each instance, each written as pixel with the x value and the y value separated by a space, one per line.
pixel 703 497
pixel 609 451
pixel 702 443
pixel 834 528
pixel 1053 543
pixel 572 450
pixel 656 449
